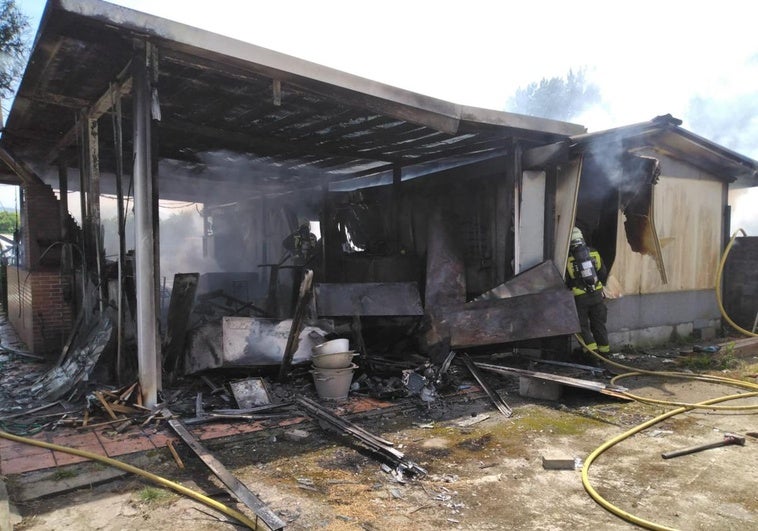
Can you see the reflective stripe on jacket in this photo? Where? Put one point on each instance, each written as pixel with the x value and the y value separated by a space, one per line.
pixel 596 261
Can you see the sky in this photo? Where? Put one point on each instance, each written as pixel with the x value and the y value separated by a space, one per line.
pixel 697 60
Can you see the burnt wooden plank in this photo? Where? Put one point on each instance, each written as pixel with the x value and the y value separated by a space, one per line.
pixel 179 310
pixel 546 314
pixel 368 299
pixel 600 387
pixel 297 321
pixel 234 485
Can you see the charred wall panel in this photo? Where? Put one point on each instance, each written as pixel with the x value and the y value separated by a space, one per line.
pixel 689 221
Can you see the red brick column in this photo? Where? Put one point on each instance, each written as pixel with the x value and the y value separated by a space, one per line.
pixel 38 310
pixel 38 306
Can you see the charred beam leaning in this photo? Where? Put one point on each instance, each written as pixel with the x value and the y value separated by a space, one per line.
pixel 500 404
pixel 380 446
pixel 234 485
pixel 297 321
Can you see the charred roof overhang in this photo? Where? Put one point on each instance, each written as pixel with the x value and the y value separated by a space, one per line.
pixel 291 123
pixel 664 135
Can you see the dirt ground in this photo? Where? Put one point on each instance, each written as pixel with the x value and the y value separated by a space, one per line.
pixel 486 475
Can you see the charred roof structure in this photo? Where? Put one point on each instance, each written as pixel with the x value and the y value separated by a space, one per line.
pixel 450 220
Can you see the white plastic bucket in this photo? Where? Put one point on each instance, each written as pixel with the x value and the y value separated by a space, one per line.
pixel 333 384
pixel 336 360
pixel 333 346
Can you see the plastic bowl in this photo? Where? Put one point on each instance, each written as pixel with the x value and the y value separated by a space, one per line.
pixel 332 347
pixel 335 360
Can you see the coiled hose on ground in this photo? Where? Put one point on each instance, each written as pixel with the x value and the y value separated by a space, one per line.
pixel 680 407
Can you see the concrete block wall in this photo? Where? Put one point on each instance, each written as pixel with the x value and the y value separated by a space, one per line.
pixel 38 310
pixel 740 282
pixel 655 319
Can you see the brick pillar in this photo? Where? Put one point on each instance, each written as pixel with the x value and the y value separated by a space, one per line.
pixel 39 296
pixel 40 227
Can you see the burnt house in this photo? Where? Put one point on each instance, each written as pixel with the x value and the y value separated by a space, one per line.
pixel 662 239
pixel 456 217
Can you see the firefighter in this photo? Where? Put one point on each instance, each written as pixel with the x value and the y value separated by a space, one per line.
pixel 301 243
pixel 586 274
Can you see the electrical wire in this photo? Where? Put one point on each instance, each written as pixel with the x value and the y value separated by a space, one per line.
pixel 681 407
pixel 181 489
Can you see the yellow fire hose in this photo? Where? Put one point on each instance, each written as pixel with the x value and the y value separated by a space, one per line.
pixel 181 489
pixel 681 407
pixel 719 273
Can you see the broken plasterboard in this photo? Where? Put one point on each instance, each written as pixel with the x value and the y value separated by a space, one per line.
pixel 249 342
pixel 255 341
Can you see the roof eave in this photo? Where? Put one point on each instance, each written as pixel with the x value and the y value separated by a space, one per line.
pixel 403 104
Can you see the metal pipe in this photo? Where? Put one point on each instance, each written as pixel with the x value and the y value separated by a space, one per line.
pixel 146 278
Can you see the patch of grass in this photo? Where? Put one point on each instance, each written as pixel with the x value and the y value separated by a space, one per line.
pixel 61 474
pixel 557 424
pixel 152 495
pixel 711 362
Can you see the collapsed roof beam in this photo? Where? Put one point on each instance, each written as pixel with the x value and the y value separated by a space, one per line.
pixel 117 89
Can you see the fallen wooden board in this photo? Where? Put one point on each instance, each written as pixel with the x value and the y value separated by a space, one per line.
pixel 235 486
pixel 740 343
pixel 600 387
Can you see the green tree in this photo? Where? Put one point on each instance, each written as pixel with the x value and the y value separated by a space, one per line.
pixel 13 45
pixel 559 98
pixel 8 222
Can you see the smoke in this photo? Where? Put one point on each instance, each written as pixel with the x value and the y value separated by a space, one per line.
pixel 181 242
pixel 744 210
pixel 731 122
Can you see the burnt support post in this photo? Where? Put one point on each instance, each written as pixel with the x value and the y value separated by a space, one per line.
pixel 515 171
pixel 118 149
pixel 144 195
pixel 92 161
pixel 63 188
pixel 397 178
pixel 85 217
